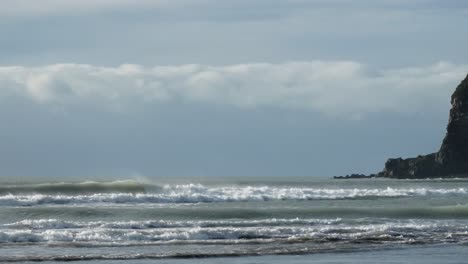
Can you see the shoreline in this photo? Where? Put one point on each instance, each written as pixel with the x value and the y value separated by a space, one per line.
pixel 374 176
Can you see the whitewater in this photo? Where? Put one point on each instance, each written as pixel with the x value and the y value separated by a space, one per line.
pixel 130 220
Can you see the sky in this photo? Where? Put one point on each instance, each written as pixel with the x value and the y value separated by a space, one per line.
pixel 125 88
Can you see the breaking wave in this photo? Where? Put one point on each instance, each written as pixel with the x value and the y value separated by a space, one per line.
pixel 126 220
pixel 128 192
pixel 74 240
pixel 57 224
pixel 231 231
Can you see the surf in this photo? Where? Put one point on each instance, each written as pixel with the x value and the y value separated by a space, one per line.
pixel 130 192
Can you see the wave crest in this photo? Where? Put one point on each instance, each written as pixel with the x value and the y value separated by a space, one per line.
pixel 232 231
pixel 134 193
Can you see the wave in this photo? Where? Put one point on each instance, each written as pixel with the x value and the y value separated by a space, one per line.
pixel 133 193
pixel 254 212
pixel 86 187
pixel 265 231
pixel 74 240
pixel 59 224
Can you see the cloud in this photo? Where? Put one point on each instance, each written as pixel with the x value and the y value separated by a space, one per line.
pixel 48 7
pixel 243 8
pixel 341 88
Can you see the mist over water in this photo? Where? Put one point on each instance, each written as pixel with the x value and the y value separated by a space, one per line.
pixel 128 219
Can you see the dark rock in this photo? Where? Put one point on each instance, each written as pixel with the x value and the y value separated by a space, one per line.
pixel 355 176
pixel 452 158
pixel 419 167
pixel 453 154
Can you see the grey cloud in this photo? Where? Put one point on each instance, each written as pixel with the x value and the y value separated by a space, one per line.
pixel 48 7
pixel 383 33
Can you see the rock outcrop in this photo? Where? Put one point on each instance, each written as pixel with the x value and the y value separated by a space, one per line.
pixel 452 158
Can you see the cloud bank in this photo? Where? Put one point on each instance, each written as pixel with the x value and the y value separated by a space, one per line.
pixel 47 7
pixel 330 87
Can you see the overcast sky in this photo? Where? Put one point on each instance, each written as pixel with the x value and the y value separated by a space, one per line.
pixel 125 88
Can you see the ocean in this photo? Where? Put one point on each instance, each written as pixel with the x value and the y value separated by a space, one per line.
pixel 235 220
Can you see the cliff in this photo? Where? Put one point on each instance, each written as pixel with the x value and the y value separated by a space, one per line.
pixel 452 158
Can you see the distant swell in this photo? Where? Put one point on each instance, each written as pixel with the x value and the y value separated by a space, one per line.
pixel 86 187
pixel 127 192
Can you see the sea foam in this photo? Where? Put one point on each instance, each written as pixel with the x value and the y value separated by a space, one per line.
pixel 197 193
pixel 231 231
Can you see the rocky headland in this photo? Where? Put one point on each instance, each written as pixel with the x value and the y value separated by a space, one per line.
pixel 452 158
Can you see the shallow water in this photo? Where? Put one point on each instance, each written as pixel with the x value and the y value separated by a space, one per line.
pixel 242 218
pixel 447 254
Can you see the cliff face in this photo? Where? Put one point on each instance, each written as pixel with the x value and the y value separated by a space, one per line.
pixel 453 154
pixel 452 158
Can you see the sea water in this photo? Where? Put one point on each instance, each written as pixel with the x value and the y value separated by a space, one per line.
pixel 239 220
